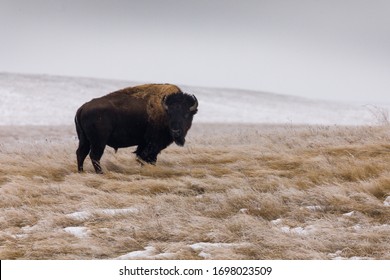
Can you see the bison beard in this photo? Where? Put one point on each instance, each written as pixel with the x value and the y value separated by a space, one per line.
pixel 149 116
pixel 180 141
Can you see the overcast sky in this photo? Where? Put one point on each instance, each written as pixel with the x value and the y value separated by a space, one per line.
pixel 328 49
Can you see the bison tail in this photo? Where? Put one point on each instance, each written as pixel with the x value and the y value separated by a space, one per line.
pixel 79 129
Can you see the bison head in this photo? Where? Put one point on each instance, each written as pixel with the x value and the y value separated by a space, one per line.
pixel 180 109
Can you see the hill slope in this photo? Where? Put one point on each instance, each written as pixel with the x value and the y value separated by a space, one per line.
pixel 53 100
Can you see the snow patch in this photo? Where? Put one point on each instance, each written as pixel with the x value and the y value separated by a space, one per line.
pixel 81 215
pixel 277 221
pixel 387 201
pixel 372 228
pixel 84 215
pixel 285 229
pixel 20 235
pixel 298 230
pixel 315 208
pixel 79 232
pixel 149 252
pixel 206 249
pixel 349 214
pixel 204 255
pixel 244 211
pixel 119 211
pixel 29 229
pixel 337 256
pixel 357 227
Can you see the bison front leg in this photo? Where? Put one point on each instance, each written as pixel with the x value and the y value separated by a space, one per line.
pixel 148 153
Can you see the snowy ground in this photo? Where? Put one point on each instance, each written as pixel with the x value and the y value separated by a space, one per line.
pixel 53 100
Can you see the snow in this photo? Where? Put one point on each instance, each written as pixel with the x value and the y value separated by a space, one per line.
pixel 53 100
pixel 375 228
pixel 387 201
pixel 296 230
pixel 244 211
pixel 277 221
pixel 315 208
pixel 357 227
pixel 47 100
pixel 79 232
pixel 84 215
pixel 337 256
pixel 119 211
pixel 149 252
pixel 81 215
pixel 205 249
pixel 205 245
pixel 349 214
pixel 293 230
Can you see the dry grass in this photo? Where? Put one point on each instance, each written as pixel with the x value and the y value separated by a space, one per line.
pixel 234 192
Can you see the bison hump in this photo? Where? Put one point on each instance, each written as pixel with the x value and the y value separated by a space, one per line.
pixel 154 94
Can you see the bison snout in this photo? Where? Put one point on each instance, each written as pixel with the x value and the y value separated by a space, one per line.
pixel 176 133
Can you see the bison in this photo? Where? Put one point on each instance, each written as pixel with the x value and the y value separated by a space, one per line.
pixel 151 116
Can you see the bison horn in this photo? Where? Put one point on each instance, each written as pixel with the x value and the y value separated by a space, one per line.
pixel 195 106
pixel 164 103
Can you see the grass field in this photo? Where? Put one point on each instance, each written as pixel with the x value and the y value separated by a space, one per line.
pixel 233 192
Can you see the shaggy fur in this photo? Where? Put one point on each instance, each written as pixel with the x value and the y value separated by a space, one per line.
pixel 153 94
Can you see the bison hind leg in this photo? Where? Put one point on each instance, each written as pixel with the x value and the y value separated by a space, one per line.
pixel 97 166
pixel 95 155
pixel 81 153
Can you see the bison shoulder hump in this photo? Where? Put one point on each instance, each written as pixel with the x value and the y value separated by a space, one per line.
pixel 154 94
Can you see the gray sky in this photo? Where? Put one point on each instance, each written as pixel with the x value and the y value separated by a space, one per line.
pixel 328 49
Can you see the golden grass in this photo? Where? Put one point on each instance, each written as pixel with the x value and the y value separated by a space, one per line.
pixel 234 192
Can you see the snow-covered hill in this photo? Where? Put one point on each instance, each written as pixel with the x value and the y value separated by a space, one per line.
pixel 53 100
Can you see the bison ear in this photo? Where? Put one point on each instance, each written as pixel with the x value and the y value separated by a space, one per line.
pixel 164 103
pixel 194 108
